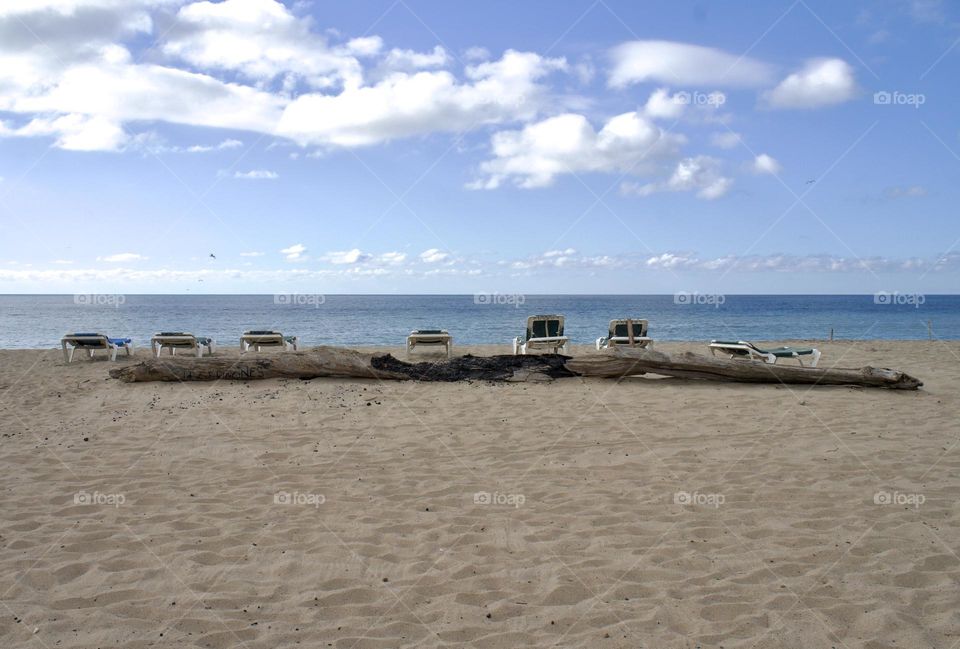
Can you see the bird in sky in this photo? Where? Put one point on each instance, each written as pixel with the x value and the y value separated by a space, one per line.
pixel 212 256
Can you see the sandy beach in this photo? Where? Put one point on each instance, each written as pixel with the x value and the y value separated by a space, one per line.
pixel 582 513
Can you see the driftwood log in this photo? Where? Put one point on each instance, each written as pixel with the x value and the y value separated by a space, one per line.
pixel 615 364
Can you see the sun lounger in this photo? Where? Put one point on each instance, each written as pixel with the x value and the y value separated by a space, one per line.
pixel 93 342
pixel 430 338
pixel 260 339
pixel 174 340
pixel 543 332
pixel 619 334
pixel 746 349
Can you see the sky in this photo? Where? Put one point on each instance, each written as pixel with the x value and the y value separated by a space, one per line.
pixel 423 146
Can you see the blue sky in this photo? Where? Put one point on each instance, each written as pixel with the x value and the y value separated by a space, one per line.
pixel 436 147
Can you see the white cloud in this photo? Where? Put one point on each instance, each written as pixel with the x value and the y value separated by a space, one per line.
pixel 700 174
pixel 433 256
pixel 725 140
pixel 263 41
pixel 251 254
pixel 397 59
pixel 354 256
pixel 393 257
pixel 765 164
pixel 296 252
pixel 256 174
pixel 537 154
pixel 476 53
pixel 403 104
pixel 74 132
pixel 222 146
pixel 122 257
pixel 913 191
pixel 663 105
pixel 684 64
pixel 62 262
pixel 821 82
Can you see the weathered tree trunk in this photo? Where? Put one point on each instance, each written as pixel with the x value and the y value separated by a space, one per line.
pixel 618 363
pixel 628 362
pixel 340 362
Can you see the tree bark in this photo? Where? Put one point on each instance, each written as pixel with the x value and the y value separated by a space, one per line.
pixel 618 363
pixel 628 362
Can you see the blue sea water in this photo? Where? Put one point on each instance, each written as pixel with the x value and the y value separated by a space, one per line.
pixel 37 321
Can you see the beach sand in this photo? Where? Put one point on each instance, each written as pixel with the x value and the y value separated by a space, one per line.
pixel 344 513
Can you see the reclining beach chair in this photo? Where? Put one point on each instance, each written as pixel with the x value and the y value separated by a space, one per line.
pixel 175 340
pixel 430 338
pixel 748 350
pixel 93 342
pixel 619 334
pixel 260 339
pixel 543 332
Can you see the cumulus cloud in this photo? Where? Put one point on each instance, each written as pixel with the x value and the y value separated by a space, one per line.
pixel 398 59
pixel 765 164
pixel 661 104
pixel 222 146
pixel 725 140
pixel 684 64
pixel 256 174
pixel 73 132
pixel 821 82
pixel 801 263
pixel 700 174
pixel 433 256
pixel 123 257
pixel 263 41
pixel 251 254
pixel 296 252
pixel 405 104
pixel 393 257
pixel 354 256
pixel 535 155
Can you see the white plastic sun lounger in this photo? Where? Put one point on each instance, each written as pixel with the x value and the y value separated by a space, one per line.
pixel 430 338
pixel 619 334
pixel 92 342
pixel 745 349
pixel 543 332
pixel 261 339
pixel 174 340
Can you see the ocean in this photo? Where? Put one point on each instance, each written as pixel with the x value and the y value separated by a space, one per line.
pixel 38 321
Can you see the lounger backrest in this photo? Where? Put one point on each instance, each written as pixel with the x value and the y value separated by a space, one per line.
pixel 544 326
pixel 619 329
pixel 92 340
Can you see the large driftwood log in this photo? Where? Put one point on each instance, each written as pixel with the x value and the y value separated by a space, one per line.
pixel 339 362
pixel 628 362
